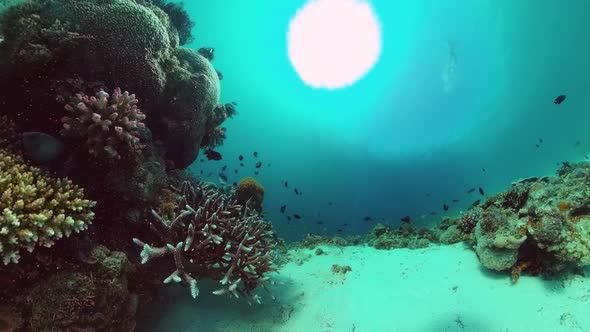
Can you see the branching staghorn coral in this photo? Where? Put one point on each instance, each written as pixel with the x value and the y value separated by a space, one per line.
pixel 209 235
pixel 36 209
pixel 108 124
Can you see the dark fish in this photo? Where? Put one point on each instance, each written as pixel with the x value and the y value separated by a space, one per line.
pixel 481 191
pixel 586 157
pixel 483 169
pixel 241 164
pixel 268 165
pixel 455 200
pixel 212 155
pixel 241 157
pixel 540 140
pixel 222 178
pixel 286 184
pixel 330 203
pixel 339 230
pixel 470 190
pixel 476 203
pixel 289 218
pixel 201 172
pixel 258 164
pixel 235 184
pixel 41 148
pixel 234 103
pixel 202 160
pixel 255 154
pixel 445 207
pixel 319 222
pixel 433 213
pixel 236 171
pixel 296 216
pixel 405 219
pixel 256 173
pixel 345 224
pixel 367 218
pixel 224 168
pixel 559 99
pixel 283 208
pixel 427 194
pixel 296 191
pixel 537 145
pixel 577 143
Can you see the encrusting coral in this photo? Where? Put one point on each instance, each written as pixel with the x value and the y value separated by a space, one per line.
pixel 109 125
pixel 36 209
pixel 250 190
pixel 210 235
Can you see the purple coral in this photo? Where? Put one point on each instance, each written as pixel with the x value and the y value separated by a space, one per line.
pixel 209 235
pixel 109 125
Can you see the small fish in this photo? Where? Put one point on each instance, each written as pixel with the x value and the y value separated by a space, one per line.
pixel 483 169
pixel 540 140
pixel 256 173
pixel 367 218
pixel 241 157
pixel 286 184
pixel 345 224
pixel 455 200
pixel 236 171
pixel 235 184
pixel 427 194
pixel 319 222
pixel 296 191
pixel 258 164
pixel 289 218
pixel 268 165
pixel 296 216
pixel 255 154
pixel 405 219
pixel 222 178
pixel 559 99
pixel 475 203
pixel 330 203
pixel 41 148
pixel 224 168
pixel 234 103
pixel 202 160
pixel 340 230
pixel 577 143
pixel 445 207
pixel 241 164
pixel 283 208
pixel 537 145
pixel 481 191
pixel 212 155
pixel 201 172
pixel 470 190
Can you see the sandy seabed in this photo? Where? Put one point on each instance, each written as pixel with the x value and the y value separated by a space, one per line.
pixel 440 288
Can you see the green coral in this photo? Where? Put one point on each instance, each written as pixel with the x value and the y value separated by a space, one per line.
pixel 250 190
pixel 37 209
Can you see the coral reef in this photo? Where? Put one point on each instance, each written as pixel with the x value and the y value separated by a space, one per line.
pixel 109 126
pixel 37 209
pixel 10 138
pixel 249 190
pixel 405 236
pixel 208 235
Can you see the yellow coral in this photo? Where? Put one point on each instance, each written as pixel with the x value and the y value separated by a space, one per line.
pixel 250 189
pixel 36 209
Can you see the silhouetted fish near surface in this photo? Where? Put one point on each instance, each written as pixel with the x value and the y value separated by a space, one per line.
pixel 286 184
pixel 405 219
pixel 481 191
pixel 255 154
pixel 445 207
pixel 296 216
pixel 475 203
pixel 296 191
pixel 283 208
pixel 470 190
pixel 241 157
pixel 258 164
pixel 40 147
pixel 559 99
pixel 212 155
pixel 367 218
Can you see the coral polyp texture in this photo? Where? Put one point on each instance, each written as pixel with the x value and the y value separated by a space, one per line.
pixel 36 210
pixel 208 235
pixel 109 124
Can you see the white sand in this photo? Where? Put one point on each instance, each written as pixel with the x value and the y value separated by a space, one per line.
pixel 435 289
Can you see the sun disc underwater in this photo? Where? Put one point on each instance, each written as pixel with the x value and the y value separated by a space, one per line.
pixel 334 43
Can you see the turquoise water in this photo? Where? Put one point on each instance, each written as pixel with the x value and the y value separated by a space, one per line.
pixel 376 148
